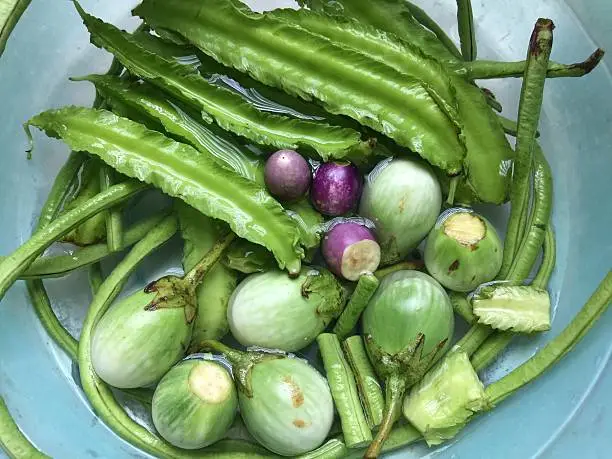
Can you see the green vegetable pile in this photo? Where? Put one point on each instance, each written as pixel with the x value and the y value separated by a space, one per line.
pixel 232 114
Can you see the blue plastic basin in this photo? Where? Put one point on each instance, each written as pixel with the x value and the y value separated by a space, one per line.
pixel 565 414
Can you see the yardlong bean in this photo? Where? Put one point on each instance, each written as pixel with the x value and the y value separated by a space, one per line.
pixel 529 115
pixel 13 441
pixel 366 286
pixel 372 398
pixel 13 265
pixel 355 428
pixel 467 32
pixel 60 265
pixel 482 70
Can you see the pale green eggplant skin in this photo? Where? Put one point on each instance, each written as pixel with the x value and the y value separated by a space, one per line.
pixel 463 250
pixel 402 197
pixel 290 410
pixel 195 404
pixel 135 344
pixel 199 233
pixel 274 311
pixel 406 304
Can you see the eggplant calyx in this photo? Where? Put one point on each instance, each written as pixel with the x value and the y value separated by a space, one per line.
pixel 410 361
pixel 324 286
pixel 172 292
pixel 242 362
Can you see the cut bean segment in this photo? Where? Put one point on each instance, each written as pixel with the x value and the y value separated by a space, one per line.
pixel 344 391
pixel 371 394
pixel 181 171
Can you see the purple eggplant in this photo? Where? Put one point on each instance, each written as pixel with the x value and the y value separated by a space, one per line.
pixel 287 175
pixel 336 188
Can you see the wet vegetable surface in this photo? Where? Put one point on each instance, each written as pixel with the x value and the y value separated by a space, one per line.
pixel 195 102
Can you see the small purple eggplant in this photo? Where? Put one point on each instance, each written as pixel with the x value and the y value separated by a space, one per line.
pixel 287 175
pixel 350 250
pixel 336 188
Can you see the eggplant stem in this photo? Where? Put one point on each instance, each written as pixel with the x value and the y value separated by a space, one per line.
pixel 395 387
pixel 197 273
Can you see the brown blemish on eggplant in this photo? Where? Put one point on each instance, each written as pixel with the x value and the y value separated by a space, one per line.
pixel 454 266
pixel 297 396
pixel 299 423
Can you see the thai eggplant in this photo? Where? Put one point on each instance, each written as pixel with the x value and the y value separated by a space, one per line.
pixel 408 325
pixel 272 310
pixel 285 403
pixel 403 199
pixel 195 404
pixel 463 250
pixel 142 336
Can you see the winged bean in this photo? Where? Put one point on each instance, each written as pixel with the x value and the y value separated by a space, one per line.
pixel 125 98
pixel 486 163
pixel 346 82
pixel 224 107
pixel 398 17
pixel 181 171
pixel 366 286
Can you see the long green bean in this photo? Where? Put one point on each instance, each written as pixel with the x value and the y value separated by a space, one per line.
pixel 535 233
pixel 113 217
pixel 344 391
pixel 467 32
pixel 372 398
pixel 548 260
pixel 482 70
pixel 530 106
pixel 52 266
pixel 13 441
pixel 333 449
pixel 511 126
pixel 462 307
pixel 366 286
pixel 10 12
pixel 13 265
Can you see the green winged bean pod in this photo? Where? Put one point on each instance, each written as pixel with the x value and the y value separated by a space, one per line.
pixel 399 17
pixel 200 233
pixel 345 81
pixel 187 173
pixel 220 105
pixel 488 157
pixel 126 98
